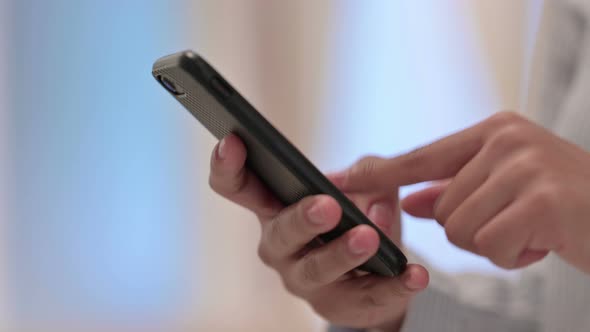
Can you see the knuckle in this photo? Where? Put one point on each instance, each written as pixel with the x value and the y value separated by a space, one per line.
pixel 545 196
pixel 526 164
pixel 508 137
pixel 366 166
pixel 276 233
pixel 311 271
pixel 504 118
pixel 371 300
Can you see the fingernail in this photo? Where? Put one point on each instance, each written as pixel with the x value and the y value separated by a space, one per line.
pixel 316 214
pixel 221 153
pixel 355 246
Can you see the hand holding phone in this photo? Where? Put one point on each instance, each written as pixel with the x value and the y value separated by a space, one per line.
pixel 321 275
pixel 276 162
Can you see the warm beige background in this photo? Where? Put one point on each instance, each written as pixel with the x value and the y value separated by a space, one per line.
pixel 278 68
pixel 500 27
pixel 268 64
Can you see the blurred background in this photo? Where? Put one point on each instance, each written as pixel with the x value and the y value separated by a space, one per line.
pixel 106 219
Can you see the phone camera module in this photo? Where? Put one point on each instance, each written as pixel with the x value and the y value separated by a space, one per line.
pixel 170 86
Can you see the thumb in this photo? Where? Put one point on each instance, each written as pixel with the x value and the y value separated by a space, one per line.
pixel 421 203
pixel 415 278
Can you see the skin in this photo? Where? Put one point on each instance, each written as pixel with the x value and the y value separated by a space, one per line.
pixel 323 275
pixel 505 189
pixel 514 191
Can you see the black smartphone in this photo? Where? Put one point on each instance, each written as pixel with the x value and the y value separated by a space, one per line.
pixel 222 110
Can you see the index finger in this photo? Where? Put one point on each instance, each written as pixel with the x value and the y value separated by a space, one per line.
pixel 436 161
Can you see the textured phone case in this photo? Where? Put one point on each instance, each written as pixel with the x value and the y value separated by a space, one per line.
pixel 221 109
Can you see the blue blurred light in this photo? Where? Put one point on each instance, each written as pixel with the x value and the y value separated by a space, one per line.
pixel 97 162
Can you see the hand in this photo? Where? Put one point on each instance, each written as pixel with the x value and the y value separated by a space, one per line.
pixel 515 192
pixel 322 275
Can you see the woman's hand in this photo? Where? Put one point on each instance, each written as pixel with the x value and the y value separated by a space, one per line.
pixel 322 275
pixel 516 191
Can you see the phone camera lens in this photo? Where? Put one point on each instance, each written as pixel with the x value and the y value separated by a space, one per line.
pixel 170 86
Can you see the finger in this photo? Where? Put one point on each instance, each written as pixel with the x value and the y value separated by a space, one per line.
pixel 384 214
pixel 369 294
pixel 382 208
pixel 467 180
pixel 292 229
pixel 529 257
pixel 329 262
pixel 439 160
pixel 421 203
pixel 505 237
pixel 231 179
pixel 480 208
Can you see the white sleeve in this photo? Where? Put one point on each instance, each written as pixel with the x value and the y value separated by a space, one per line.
pixel 474 302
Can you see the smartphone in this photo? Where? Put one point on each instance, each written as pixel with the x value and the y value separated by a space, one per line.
pixel 280 166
